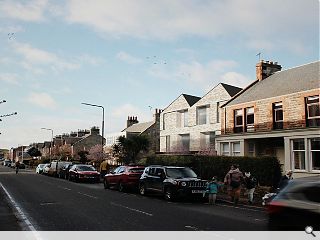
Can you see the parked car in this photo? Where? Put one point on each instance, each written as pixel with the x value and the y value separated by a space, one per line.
pixel 296 206
pixel 64 171
pixel 46 168
pixel 22 166
pixel 7 163
pixel 171 182
pixel 123 177
pixel 81 172
pixel 39 168
pixel 55 167
pixel 13 164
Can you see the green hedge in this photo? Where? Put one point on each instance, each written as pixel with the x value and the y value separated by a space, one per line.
pixel 266 169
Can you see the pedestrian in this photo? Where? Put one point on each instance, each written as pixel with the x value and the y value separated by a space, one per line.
pixel 17 165
pixel 285 179
pixel 233 181
pixel 250 183
pixel 212 190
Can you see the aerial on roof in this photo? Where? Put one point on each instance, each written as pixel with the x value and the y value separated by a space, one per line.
pixel 298 79
pixel 191 99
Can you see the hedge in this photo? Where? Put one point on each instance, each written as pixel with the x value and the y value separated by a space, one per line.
pixel 266 169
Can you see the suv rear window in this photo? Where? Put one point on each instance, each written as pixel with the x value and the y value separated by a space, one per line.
pixel 180 173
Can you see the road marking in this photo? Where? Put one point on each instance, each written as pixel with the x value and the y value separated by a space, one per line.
pixel 84 194
pixel 64 188
pixel 47 203
pixel 21 216
pixel 132 209
pixel 191 227
pixel 255 210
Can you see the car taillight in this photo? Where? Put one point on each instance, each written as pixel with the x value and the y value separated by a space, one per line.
pixel 275 207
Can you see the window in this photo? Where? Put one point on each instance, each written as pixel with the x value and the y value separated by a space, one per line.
pixel 167 143
pixel 277 115
pixel 207 140
pixel 238 121
pixel 183 118
pixel 312 111
pixel 236 149
pixel 202 116
pixel 164 121
pixel 298 154
pixel 225 149
pixel 250 119
pixel 218 112
pixel 185 142
pixel 251 149
pixel 315 153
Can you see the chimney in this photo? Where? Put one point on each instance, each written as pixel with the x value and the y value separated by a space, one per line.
pixel 265 69
pixel 131 121
pixel 95 131
pixel 156 115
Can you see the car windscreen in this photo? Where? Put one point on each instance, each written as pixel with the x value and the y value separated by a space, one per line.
pixel 181 173
pixel 136 170
pixel 85 168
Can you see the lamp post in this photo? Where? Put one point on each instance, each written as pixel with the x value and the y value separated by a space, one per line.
pixel 49 129
pixel 99 106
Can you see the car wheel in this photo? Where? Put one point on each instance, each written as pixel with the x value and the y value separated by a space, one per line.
pixel 121 187
pixel 142 189
pixel 106 184
pixel 168 194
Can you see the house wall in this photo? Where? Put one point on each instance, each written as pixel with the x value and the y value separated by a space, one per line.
pixel 86 143
pixel 173 128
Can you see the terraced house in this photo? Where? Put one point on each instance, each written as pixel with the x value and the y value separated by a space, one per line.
pixel 277 115
pixel 191 124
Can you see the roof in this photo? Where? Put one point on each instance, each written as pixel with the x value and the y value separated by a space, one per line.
pixel 139 127
pixel 294 80
pixel 191 99
pixel 232 90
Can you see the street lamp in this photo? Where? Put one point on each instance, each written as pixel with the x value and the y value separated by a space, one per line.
pixel 99 106
pixel 49 129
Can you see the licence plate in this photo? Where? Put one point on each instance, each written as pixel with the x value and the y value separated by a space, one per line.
pixel 197 191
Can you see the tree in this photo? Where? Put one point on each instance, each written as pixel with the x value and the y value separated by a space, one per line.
pixel 128 149
pixel 96 154
pixel 34 152
pixel 83 156
pixel 64 152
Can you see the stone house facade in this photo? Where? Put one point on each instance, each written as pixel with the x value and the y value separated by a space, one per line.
pixel 277 115
pixel 190 123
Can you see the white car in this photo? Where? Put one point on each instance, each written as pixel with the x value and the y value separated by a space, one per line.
pixel 40 168
pixel 46 168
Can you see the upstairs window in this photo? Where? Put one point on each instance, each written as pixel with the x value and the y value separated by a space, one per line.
pixel 238 121
pixel 183 118
pixel 277 115
pixel 202 115
pixel 250 119
pixel 312 111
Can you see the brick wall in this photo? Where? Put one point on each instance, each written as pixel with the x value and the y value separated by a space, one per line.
pixel 294 114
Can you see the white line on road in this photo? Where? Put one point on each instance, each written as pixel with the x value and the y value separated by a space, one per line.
pixel 132 209
pixel 64 188
pixel 191 227
pixel 20 215
pixel 84 194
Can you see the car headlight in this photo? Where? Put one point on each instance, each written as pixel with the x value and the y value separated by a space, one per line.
pixel 174 182
pixel 183 184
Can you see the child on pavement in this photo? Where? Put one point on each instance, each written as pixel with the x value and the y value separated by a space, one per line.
pixel 212 190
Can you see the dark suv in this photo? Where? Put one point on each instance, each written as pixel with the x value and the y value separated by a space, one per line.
pixel 171 182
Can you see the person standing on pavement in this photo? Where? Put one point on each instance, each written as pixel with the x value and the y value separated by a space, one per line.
pixel 285 179
pixel 17 165
pixel 250 183
pixel 212 190
pixel 233 181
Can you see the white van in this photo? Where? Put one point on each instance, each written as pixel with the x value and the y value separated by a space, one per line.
pixel 55 167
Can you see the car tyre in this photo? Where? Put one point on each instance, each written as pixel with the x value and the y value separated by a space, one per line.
pixel 142 189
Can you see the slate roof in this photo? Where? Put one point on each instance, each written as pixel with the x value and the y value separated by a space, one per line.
pixel 191 99
pixel 298 79
pixel 232 90
pixel 139 127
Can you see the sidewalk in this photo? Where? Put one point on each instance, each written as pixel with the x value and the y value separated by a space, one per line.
pixel 8 220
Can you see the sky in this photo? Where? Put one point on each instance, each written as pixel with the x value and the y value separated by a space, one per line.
pixel 133 56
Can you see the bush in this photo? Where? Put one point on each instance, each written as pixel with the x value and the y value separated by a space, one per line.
pixel 266 169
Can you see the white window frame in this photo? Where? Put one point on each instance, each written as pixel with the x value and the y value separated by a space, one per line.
pixel 311 104
pixel 238 115
pixel 250 126
pixel 306 164
pixel 236 153
pixel 206 113
pixel 222 148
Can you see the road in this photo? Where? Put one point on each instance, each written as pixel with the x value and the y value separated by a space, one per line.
pixel 52 204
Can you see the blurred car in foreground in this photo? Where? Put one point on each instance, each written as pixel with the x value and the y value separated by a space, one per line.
pixel 39 168
pixel 81 172
pixel 296 206
pixel 123 177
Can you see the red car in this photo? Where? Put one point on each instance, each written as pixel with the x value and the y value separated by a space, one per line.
pixel 123 177
pixel 81 172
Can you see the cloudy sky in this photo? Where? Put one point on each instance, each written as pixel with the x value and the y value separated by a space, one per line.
pixel 133 56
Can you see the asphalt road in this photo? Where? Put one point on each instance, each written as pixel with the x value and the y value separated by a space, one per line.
pixel 53 204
